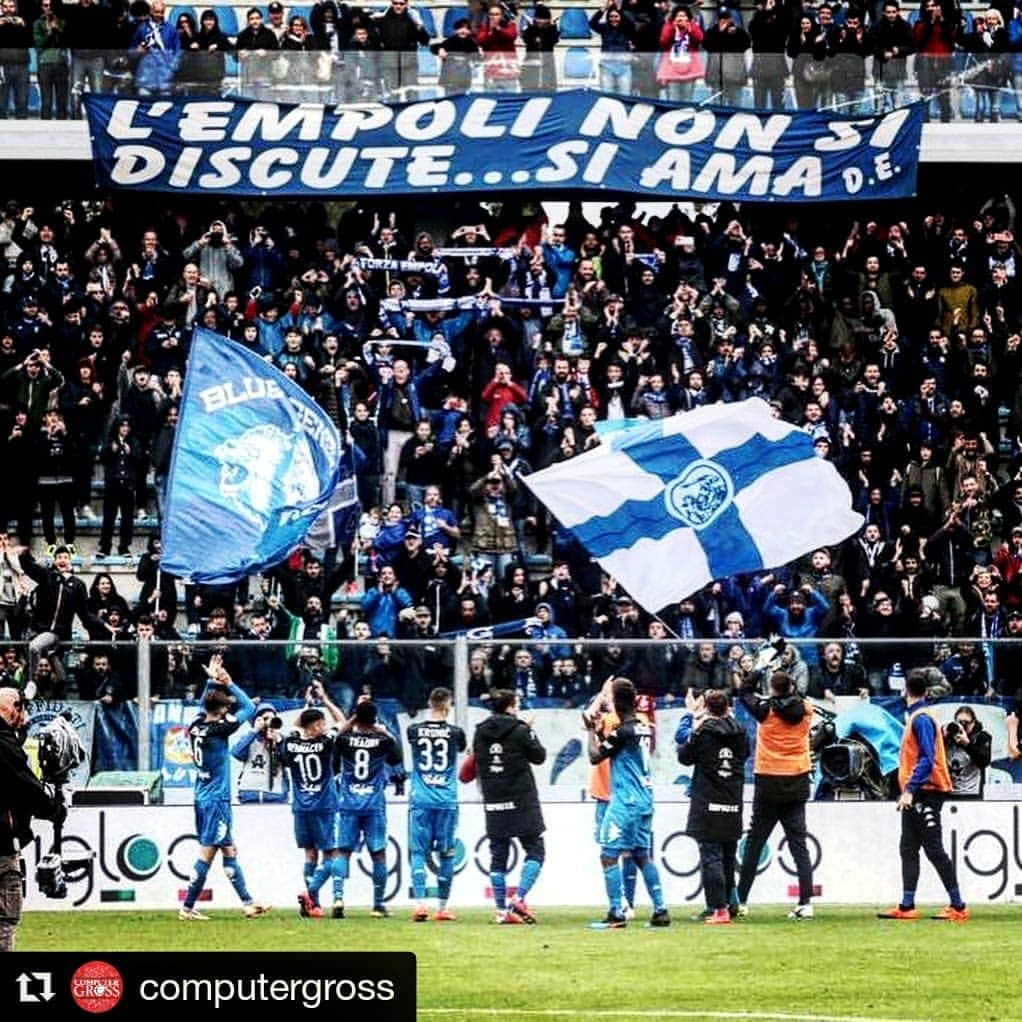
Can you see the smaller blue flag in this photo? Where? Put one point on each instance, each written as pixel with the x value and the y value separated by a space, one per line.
pixel 255 462
pixel 337 525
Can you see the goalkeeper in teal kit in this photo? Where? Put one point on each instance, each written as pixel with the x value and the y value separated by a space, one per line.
pixel 208 736
pixel 433 802
pixel 626 826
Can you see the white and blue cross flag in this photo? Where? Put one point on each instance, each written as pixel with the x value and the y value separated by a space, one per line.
pixel 667 506
pixel 255 462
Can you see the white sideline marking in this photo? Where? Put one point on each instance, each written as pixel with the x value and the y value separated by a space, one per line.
pixel 749 1016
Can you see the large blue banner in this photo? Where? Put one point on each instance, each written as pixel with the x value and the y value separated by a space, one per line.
pixel 577 139
pixel 255 461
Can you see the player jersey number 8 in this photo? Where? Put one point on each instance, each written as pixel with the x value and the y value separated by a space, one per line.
pixel 362 762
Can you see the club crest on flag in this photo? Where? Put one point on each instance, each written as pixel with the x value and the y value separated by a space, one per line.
pixel 700 494
pixel 260 462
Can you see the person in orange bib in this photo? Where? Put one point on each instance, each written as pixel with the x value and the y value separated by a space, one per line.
pixel 925 782
pixel 782 767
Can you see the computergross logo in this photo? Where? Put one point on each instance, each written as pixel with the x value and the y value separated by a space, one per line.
pixel 96 987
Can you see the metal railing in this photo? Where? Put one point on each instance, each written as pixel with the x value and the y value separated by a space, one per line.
pixel 957 86
pixel 552 672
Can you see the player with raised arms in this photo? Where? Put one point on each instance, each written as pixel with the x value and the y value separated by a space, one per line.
pixel 308 754
pixel 363 750
pixel 208 736
pixel 627 823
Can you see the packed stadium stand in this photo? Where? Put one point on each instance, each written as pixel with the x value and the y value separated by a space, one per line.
pixel 890 335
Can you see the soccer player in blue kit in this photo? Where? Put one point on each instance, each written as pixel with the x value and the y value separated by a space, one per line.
pixel 308 755
pixel 433 802
pixel 208 736
pixel 363 750
pixel 626 826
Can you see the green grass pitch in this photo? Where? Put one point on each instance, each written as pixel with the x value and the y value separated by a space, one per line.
pixel 843 965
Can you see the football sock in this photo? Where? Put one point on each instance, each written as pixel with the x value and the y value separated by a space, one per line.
pixel 908 899
pixel 630 874
pixel 199 872
pixel 308 872
pixel 530 874
pixel 498 881
pixel 651 877
pixel 340 872
pixel 379 882
pixel 445 874
pixel 955 897
pixel 233 871
pixel 612 881
pixel 418 876
pixel 318 879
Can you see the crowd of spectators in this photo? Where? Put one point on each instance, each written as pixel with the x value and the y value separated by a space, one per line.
pixel 856 56
pixel 457 360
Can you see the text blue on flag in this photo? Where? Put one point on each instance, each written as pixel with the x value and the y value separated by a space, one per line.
pixel 667 506
pixel 255 462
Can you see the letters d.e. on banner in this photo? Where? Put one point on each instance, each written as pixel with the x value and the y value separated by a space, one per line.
pixel 577 139
pixel 255 461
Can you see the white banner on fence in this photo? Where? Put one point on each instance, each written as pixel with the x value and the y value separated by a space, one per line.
pixel 143 857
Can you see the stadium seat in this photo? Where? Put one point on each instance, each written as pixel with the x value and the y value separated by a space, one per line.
pixel 578 63
pixel 428 21
pixel 574 24
pixel 176 12
pixel 451 15
pixel 228 18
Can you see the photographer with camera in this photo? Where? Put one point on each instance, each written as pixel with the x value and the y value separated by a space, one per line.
pixel 217 256
pixel 967 746
pixel 22 796
pixel 261 778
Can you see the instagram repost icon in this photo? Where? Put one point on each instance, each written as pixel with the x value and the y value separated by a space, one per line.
pixel 96 987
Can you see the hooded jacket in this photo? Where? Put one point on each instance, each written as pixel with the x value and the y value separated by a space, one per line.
pixel 718 751
pixel 505 750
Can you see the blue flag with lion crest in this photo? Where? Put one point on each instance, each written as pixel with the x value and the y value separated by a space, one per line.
pixel 255 461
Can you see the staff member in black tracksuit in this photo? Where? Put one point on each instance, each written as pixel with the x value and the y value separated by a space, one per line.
pixel 505 748
pixel 22 796
pixel 710 739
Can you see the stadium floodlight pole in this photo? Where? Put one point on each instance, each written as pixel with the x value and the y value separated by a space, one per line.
pixel 461 681
pixel 143 663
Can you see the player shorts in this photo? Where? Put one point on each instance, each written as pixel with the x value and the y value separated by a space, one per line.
pixel 316 830
pixel 625 829
pixel 213 824
pixel 431 829
pixel 371 825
